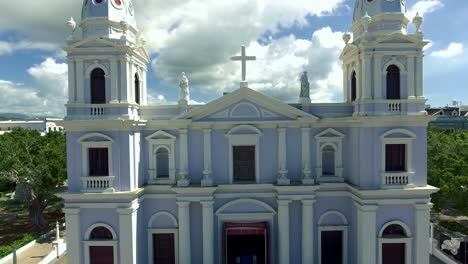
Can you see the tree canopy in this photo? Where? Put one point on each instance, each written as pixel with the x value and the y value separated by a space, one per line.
pixel 448 168
pixel 38 162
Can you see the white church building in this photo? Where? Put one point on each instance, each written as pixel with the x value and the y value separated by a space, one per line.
pixel 247 178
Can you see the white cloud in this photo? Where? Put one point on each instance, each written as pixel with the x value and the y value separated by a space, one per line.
pixel 454 49
pixel 47 96
pixel 11 47
pixel 424 7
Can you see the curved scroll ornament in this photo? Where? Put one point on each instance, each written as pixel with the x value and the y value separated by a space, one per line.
pixel 452 245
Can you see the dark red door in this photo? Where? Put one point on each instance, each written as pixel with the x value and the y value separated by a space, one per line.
pixel 332 247
pixel 163 249
pixel 101 255
pixel 393 253
pixel 244 163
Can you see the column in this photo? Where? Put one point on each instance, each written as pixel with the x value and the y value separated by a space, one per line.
pixel 207 180
pixel 80 89
pixel 378 77
pixel 422 233
pixel 306 167
pixel 71 81
pixel 128 234
pixel 366 233
pixel 72 221
pixel 410 78
pixel 283 231
pixel 114 81
pixel 419 76
pixel 144 87
pixel 359 80
pixel 307 231
pixel 346 85
pixel 183 180
pixel 123 94
pixel 184 233
pixel 208 235
pixel 130 81
pixel 282 167
pixel 366 75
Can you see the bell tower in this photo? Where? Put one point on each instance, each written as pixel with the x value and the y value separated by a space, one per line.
pixel 382 61
pixel 107 62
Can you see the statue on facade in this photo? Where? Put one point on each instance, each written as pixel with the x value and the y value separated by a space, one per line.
pixel 305 89
pixel 184 90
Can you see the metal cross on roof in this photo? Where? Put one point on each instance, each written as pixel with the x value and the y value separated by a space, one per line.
pixel 243 58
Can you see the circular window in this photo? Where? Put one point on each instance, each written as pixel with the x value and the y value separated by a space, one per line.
pixel 118 4
pixel 99 2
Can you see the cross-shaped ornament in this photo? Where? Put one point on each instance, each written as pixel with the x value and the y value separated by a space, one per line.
pixel 243 58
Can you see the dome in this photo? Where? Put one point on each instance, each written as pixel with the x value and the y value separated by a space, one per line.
pixel 378 7
pixel 106 11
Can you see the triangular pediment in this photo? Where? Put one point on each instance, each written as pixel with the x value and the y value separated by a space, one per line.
pixel 399 38
pixel 330 133
pixel 93 42
pixel 347 49
pixel 246 105
pixel 160 135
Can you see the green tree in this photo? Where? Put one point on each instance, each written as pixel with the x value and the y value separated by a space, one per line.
pixel 38 162
pixel 448 168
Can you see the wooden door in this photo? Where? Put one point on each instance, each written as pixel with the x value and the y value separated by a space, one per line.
pixel 163 249
pixel 393 253
pixel 101 255
pixel 244 163
pixel 332 247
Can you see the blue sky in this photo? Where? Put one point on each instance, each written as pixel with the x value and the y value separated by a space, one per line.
pixel 199 37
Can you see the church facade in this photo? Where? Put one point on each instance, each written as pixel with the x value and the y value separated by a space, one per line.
pixel 246 178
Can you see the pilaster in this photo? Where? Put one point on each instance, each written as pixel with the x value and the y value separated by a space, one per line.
pixel 419 76
pixel 183 180
pixel 128 234
pixel 207 179
pixel 306 166
pixel 114 81
pixel 80 81
pixel 283 231
pixel 282 167
pixel 366 233
pixel 366 75
pixel 307 231
pixel 378 91
pixel 71 81
pixel 72 221
pixel 185 253
pixel 346 85
pixel 422 219
pixel 123 95
pixel 208 234
pixel 130 81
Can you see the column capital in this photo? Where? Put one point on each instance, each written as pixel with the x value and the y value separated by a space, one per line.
pixel 72 211
pixel 183 204
pixel 79 60
pixel 308 202
pixel 183 131
pixel 283 202
pixel 281 129
pixel 128 211
pixel 207 204
pixel 207 130
pixel 305 129
pixel 423 207
pixel 367 207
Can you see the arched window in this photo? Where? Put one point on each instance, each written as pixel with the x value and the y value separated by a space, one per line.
pixel 162 163
pixel 98 86
pixel 393 83
pixel 101 233
pixel 137 89
pixel 328 161
pixel 101 245
pixel 353 87
pixel 395 243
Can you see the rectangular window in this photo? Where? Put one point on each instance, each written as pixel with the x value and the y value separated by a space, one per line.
pixel 395 157
pixel 98 161
pixel 244 163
